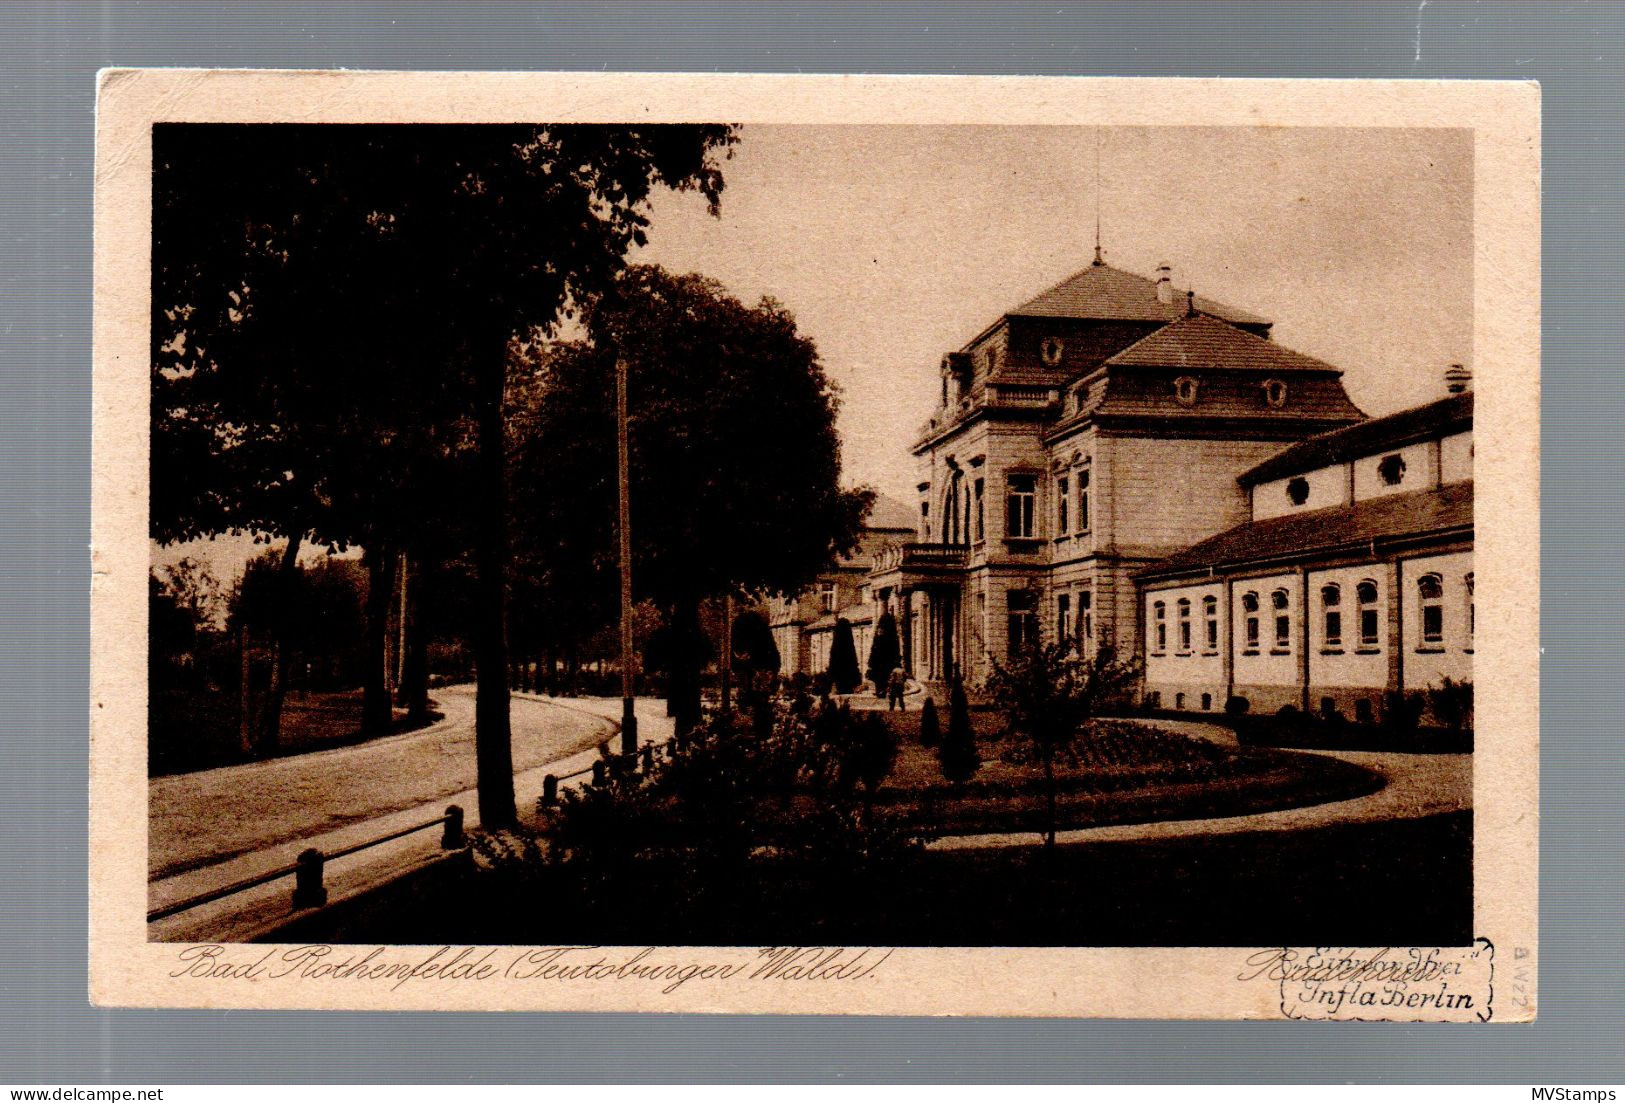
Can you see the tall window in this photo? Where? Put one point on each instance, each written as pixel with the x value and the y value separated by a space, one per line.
pixel 1063 502
pixel 1159 627
pixel 1020 500
pixel 1086 614
pixel 1021 619
pixel 952 511
pixel 1331 599
pixel 1210 624
pixel 1083 500
pixel 1184 621
pixel 1430 593
pixel 826 596
pixel 1366 594
pixel 978 513
pixel 925 522
pixel 1063 617
pixel 1281 602
pixel 1249 608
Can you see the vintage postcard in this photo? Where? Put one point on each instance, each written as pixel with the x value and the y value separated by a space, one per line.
pixel 852 545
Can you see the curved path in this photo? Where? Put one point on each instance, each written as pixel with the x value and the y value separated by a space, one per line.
pixel 1416 785
pixel 216 827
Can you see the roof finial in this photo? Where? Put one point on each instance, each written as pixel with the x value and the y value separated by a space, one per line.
pixel 1100 258
pixel 1190 304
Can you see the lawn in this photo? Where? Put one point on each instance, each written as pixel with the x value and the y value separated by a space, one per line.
pixel 190 731
pixel 1122 773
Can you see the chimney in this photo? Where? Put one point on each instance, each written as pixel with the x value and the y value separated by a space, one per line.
pixel 1165 285
pixel 1457 379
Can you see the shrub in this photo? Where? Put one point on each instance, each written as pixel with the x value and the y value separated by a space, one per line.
pixel 930 727
pixel 1237 706
pixel 1402 711
pixel 1452 704
pixel 843 659
pixel 884 654
pixel 959 756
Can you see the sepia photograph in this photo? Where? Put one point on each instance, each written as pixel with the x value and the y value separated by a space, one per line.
pixel 814 542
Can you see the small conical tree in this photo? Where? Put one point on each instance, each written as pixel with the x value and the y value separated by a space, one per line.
pixel 930 729
pixel 843 659
pixel 884 654
pixel 959 755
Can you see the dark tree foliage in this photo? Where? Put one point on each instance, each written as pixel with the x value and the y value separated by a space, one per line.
pixel 959 756
pixel 884 653
pixel 735 462
pixel 335 310
pixel 843 658
pixel 753 646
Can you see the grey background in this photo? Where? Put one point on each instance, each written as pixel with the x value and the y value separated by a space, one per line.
pixel 51 52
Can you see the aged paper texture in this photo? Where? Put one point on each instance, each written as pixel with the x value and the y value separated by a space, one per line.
pixel 1255 525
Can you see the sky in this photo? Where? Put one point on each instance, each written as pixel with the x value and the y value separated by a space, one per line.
pixel 893 245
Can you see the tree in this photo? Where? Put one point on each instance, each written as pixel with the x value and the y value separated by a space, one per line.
pixel 735 462
pixel 843 658
pixel 320 272
pixel 930 726
pixel 1049 692
pixel 958 755
pixel 884 653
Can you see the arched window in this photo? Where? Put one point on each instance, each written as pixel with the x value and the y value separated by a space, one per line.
pixel 1331 600
pixel 1159 629
pixel 1472 612
pixel 1281 602
pixel 1249 607
pixel 1185 389
pixel 1430 595
pixel 953 510
pixel 1184 609
pixel 1063 505
pixel 1083 498
pixel 1366 594
pixel 1210 624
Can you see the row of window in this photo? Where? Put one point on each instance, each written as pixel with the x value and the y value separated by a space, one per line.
pixel 1430 599
pixel 965 512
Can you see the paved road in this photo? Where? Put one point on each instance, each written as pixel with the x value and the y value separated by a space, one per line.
pixel 218 827
pixel 210 816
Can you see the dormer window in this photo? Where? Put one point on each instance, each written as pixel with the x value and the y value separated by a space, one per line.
pixel 1391 470
pixel 1274 393
pixel 1185 389
pixel 1297 490
pixel 1051 350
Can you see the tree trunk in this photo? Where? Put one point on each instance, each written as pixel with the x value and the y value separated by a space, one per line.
pixel 683 677
pixel 376 713
pixel 1049 800
pixel 493 745
pixel 414 688
pixel 269 735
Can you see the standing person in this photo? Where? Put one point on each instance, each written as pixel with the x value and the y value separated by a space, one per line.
pixel 894 689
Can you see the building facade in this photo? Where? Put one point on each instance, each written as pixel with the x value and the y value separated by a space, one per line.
pixel 1352 578
pixel 804 626
pixel 1080 438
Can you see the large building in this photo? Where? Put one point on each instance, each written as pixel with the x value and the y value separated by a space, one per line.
pixel 1080 438
pixel 1352 578
pixel 804 626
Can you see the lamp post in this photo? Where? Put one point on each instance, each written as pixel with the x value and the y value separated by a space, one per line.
pixel 629 720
